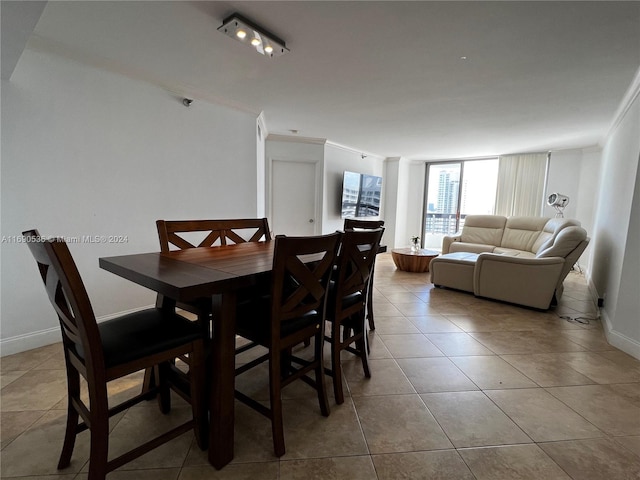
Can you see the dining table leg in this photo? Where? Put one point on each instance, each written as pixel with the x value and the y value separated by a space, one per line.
pixel 222 378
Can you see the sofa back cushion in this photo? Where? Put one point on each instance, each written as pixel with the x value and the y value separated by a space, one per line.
pixel 565 242
pixel 549 232
pixel 483 229
pixel 521 233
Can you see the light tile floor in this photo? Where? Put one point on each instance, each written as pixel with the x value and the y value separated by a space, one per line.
pixel 461 388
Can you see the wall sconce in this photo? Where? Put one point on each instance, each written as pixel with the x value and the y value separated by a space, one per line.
pixel 247 32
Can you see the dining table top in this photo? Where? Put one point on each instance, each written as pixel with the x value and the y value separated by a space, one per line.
pixel 195 272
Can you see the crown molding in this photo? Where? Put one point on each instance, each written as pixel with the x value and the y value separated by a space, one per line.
pixel 362 153
pixel 295 139
pixel 630 96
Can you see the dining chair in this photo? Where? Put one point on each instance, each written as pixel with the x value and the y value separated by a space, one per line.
pixel 184 234
pixel 180 233
pixel 292 312
pixel 347 301
pixel 357 224
pixel 103 352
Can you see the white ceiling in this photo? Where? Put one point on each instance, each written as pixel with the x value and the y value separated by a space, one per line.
pixel 386 78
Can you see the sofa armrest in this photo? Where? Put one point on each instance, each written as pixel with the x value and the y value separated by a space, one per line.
pixel 447 240
pixel 525 281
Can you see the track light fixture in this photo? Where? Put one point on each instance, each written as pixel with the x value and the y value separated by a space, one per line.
pixel 264 42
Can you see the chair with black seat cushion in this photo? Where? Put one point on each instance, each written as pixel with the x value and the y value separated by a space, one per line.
pixel 293 312
pixel 103 352
pixel 347 300
pixel 357 224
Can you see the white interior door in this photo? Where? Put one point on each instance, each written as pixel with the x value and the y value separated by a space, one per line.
pixel 293 198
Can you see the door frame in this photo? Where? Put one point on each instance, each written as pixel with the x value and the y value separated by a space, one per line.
pixel 317 207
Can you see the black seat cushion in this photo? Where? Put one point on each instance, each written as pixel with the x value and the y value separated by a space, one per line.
pixel 347 301
pixel 144 333
pixel 253 320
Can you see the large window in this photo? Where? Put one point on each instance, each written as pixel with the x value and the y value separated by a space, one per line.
pixel 455 190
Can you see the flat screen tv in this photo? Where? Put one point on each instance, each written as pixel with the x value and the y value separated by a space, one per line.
pixel 360 195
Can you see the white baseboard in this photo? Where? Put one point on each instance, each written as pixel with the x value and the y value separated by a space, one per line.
pixel 619 340
pixel 592 290
pixel 29 341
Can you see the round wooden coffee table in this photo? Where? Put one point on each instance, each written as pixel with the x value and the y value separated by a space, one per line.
pixel 409 260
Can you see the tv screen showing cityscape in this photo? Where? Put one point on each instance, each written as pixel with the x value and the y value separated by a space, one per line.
pixel 360 195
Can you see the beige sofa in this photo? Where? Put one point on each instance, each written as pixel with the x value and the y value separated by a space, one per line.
pixel 521 260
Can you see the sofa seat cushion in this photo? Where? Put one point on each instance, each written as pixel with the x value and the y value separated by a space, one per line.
pixel 513 253
pixel 459 257
pixel 470 247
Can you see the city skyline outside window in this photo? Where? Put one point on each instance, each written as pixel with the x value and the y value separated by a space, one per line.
pixel 450 199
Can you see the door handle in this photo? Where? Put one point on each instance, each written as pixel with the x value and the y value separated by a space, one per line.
pixel 311 220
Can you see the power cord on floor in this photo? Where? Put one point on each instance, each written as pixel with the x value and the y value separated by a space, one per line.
pixel 582 320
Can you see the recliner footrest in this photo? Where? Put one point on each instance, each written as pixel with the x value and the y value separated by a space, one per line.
pixel 454 270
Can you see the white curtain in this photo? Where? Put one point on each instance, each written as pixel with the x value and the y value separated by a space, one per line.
pixel 521 181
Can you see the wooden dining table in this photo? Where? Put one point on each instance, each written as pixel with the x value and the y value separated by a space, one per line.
pixel 216 273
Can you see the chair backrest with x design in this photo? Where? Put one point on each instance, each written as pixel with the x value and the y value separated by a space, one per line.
pixel 299 288
pixel 182 234
pixel 355 262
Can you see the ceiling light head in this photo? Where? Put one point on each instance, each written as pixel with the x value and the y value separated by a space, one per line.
pixel 264 42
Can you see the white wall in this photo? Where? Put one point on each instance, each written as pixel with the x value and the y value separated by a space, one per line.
pixel 576 173
pixel 398 193
pixel 88 152
pixel 336 160
pixel 417 172
pixel 261 170
pixel 563 177
pixel 616 271
pixel 588 193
